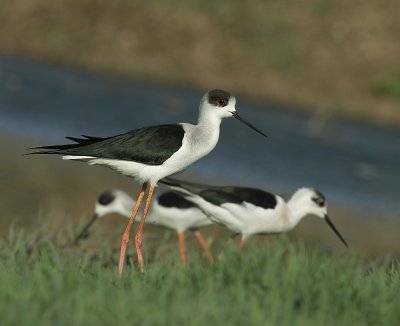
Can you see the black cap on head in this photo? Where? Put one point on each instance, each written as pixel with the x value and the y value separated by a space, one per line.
pixel 218 97
pixel 106 198
pixel 319 199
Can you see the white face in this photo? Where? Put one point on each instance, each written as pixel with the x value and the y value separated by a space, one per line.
pixel 313 202
pixel 223 105
pixel 318 204
pixel 102 210
pixel 112 201
pixel 219 102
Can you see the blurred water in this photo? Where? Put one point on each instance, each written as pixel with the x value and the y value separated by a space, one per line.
pixel 353 164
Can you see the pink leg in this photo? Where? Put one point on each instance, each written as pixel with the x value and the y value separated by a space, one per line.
pixel 203 245
pixel 125 235
pixel 181 239
pixel 138 236
pixel 242 241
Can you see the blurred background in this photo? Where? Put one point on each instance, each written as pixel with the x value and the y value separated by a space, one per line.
pixel 320 77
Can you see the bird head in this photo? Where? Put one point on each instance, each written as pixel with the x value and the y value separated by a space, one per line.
pixel 222 104
pixel 311 201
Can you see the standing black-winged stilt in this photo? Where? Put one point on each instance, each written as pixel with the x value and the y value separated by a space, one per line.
pixel 152 153
pixel 169 210
pixel 249 211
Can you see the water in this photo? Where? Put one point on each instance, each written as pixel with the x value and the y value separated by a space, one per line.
pixel 353 164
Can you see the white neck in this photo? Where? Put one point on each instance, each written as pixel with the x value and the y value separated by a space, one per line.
pixel 296 211
pixel 206 133
pixel 208 119
pixel 123 205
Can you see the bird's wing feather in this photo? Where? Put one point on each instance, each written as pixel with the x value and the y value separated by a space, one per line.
pixel 171 199
pixel 257 197
pixel 149 145
pixel 230 194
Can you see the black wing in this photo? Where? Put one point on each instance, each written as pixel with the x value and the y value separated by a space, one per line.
pixel 171 199
pixel 230 194
pixel 150 145
pixel 238 195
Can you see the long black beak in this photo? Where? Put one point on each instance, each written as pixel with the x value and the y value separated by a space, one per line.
pixel 85 231
pixel 327 220
pixel 237 116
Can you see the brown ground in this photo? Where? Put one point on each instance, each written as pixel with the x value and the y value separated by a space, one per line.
pixel 332 57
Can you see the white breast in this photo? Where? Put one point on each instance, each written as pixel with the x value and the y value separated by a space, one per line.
pixel 197 143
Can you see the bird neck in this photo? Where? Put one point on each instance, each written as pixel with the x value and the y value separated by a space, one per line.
pixel 296 211
pixel 207 127
pixel 207 116
pixel 126 205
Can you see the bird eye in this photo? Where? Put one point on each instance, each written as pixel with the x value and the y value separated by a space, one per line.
pixel 319 201
pixel 222 102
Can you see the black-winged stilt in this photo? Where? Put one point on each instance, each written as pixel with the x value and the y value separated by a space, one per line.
pixel 152 153
pixel 168 210
pixel 249 211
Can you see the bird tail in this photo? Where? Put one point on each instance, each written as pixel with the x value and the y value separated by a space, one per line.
pixel 178 187
pixel 170 182
pixel 65 149
pixel 185 186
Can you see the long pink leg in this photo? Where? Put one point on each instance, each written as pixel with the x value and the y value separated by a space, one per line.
pixel 138 236
pixel 203 245
pixel 125 235
pixel 242 241
pixel 181 239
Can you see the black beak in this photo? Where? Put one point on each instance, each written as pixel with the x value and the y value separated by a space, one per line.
pixel 327 220
pixel 85 231
pixel 237 116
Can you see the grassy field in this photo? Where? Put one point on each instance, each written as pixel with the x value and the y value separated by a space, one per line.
pixel 284 283
pixel 329 57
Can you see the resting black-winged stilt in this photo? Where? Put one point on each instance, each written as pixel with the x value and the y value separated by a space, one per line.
pixel 249 211
pixel 152 153
pixel 168 210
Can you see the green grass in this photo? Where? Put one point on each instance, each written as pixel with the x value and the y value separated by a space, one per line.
pixel 279 284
